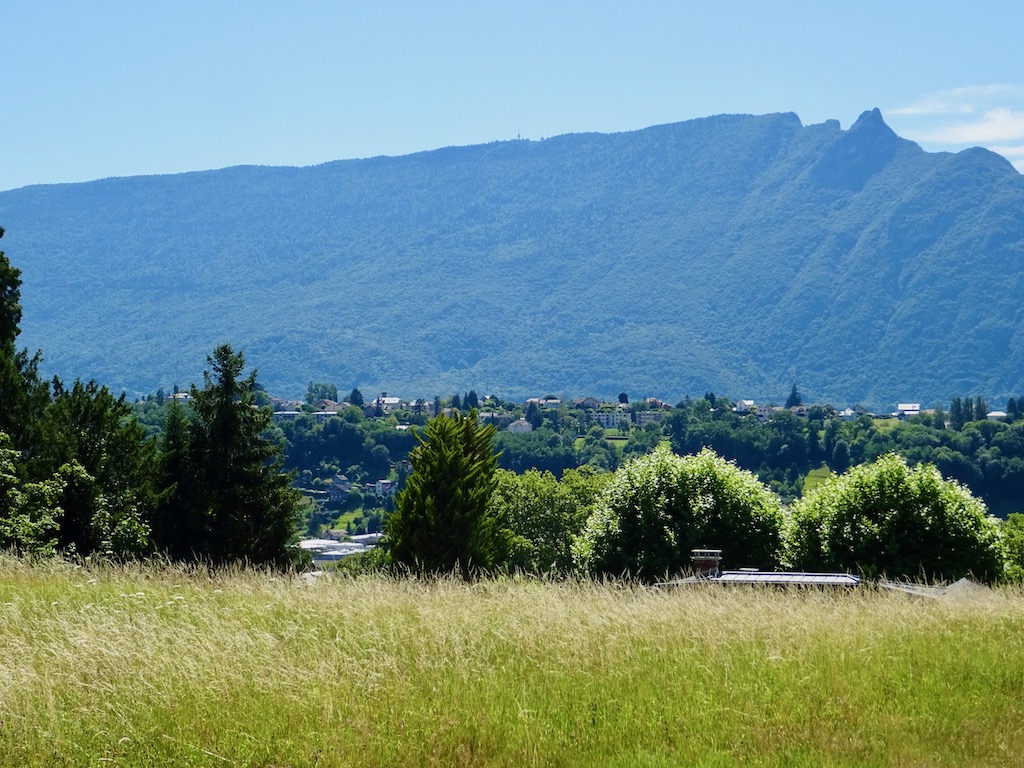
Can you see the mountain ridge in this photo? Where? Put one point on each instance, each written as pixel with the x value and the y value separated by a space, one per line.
pixel 734 253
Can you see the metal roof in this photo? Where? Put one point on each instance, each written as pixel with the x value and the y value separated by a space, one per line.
pixel 787 577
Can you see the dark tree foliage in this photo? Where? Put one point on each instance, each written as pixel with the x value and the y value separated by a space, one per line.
pixel 794 399
pixel 23 396
pixel 442 521
pixel 232 501
pixel 320 391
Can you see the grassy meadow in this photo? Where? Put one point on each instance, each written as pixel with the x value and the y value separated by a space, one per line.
pixel 152 665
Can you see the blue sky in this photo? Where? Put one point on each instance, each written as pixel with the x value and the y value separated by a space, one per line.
pixel 101 89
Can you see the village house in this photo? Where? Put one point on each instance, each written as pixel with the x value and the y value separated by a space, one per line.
pixel 765 412
pixel 520 426
pixel 612 419
pixel 906 410
pixel 550 403
pixel 500 419
pixel 384 488
pixel 649 417
pixel 387 404
pixel 341 486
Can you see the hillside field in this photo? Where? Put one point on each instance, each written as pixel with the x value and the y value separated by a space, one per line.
pixel 149 665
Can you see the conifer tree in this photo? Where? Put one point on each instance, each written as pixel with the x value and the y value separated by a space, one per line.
pixel 795 398
pixel 442 521
pixel 23 395
pixel 242 507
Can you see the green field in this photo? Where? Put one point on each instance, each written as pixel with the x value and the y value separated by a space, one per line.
pixel 159 666
pixel 816 477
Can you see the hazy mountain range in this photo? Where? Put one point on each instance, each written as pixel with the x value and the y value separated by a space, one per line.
pixel 738 254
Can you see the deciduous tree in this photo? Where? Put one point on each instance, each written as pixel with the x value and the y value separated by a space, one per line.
pixel 888 518
pixel 661 506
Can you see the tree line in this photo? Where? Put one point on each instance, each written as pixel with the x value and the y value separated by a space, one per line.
pixel 884 518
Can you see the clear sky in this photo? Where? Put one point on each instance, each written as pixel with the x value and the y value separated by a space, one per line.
pixel 115 88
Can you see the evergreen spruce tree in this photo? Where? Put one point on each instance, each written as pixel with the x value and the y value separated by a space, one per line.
pixel 956 414
pixel 248 510
pixel 180 527
pixel 794 399
pixel 442 521
pixel 23 395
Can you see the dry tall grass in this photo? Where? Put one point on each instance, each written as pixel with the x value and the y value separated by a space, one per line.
pixel 158 666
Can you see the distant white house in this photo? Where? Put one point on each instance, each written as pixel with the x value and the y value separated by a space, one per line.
pixel 611 419
pixel 647 417
pixel 520 425
pixel 905 410
pixel 384 488
pixel 995 415
pixel 387 404
pixel 744 406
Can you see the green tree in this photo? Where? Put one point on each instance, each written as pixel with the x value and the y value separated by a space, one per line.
pixel 320 391
pixel 442 520
pixel 23 395
pixel 659 507
pixel 794 399
pixel 1013 540
pixel 888 518
pixel 241 504
pixel 545 514
pixel 980 409
pixel 355 397
pixel 29 512
pixel 180 527
pixel 108 504
pixel 957 416
pixel 840 460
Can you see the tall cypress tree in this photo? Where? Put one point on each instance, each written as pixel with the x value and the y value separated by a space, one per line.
pixel 442 521
pixel 956 414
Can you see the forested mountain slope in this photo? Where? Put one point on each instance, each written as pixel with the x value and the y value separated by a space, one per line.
pixel 734 253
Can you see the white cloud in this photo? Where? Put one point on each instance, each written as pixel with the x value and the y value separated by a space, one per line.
pixel 994 125
pixel 990 116
pixel 962 101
